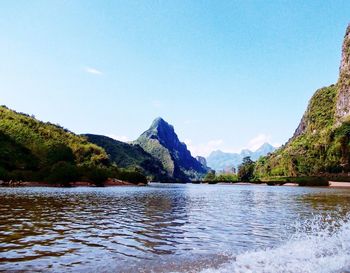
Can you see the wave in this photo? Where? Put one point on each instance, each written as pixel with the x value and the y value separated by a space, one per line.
pixel 320 245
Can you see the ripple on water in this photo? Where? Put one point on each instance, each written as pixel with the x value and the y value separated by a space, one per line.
pixel 166 228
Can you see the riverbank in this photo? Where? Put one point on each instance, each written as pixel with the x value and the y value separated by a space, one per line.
pixel 332 184
pixel 117 183
pixel 107 183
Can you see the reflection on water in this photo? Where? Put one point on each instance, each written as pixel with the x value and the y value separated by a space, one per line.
pixel 160 228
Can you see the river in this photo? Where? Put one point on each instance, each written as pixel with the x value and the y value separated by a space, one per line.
pixel 175 228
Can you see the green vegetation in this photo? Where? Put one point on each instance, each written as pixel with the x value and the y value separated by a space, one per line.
pixel 132 177
pixel 310 181
pixel 211 177
pixel 246 170
pixel 245 173
pixel 320 149
pixel 153 147
pixel 62 173
pixel 31 150
pixel 45 139
pixel 131 158
pixel 161 141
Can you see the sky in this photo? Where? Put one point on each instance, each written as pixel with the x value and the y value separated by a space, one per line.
pixel 227 74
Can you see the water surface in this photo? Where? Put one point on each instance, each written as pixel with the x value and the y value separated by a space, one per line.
pixel 178 228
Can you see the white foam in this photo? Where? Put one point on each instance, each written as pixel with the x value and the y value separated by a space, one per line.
pixel 321 245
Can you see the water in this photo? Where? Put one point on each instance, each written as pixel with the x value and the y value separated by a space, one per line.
pixel 175 228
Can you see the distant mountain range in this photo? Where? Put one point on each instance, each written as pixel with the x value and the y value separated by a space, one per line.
pixel 219 160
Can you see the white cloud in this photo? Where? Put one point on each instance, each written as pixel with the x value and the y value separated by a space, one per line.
pixel 120 138
pixel 92 70
pixel 256 142
pixel 203 149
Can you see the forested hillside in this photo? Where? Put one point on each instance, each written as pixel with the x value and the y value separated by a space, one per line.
pixel 32 150
pixel 321 143
pixel 131 156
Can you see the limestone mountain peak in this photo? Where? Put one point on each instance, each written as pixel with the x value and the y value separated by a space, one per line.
pixel 163 131
pixel 161 141
pixel 159 121
pixel 343 98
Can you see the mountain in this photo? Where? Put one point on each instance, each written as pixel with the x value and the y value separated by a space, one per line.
pixel 219 160
pixel 130 156
pixel 161 141
pixel 264 149
pixel 34 150
pixel 320 144
pixel 203 161
pixel 342 108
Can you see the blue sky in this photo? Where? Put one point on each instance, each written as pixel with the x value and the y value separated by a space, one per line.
pixel 227 74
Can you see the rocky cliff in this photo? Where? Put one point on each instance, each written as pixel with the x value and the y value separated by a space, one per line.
pixel 343 96
pixel 342 105
pixel 202 160
pixel 161 141
pixel 321 143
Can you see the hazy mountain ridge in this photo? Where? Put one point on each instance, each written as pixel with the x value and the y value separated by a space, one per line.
pixel 219 160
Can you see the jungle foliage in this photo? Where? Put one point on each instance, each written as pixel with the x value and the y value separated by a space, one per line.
pixel 32 150
pixel 222 177
pixel 322 149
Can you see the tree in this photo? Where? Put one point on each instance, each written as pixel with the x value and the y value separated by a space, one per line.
pixel 98 175
pixel 62 173
pixel 132 177
pixel 246 169
pixel 210 176
pixel 59 152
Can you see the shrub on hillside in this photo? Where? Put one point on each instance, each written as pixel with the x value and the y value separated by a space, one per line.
pixel 210 176
pixel 63 173
pixel 97 175
pixel 59 152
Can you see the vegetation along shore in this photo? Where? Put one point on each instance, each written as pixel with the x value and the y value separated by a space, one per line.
pixel 43 153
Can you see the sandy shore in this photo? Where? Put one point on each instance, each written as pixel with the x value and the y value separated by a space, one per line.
pixel 117 182
pixel 333 184
pixel 291 184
